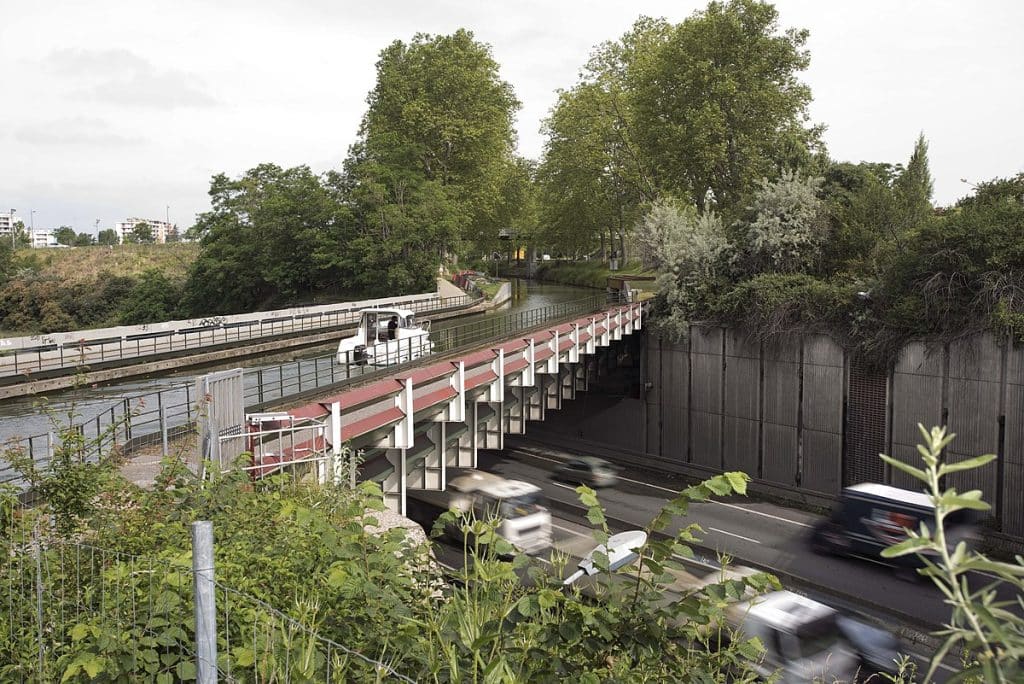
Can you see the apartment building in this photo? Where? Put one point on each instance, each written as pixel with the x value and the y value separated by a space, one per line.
pixel 7 221
pixel 44 237
pixel 161 229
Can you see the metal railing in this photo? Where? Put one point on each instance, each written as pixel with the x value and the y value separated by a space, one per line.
pixel 56 358
pixel 157 418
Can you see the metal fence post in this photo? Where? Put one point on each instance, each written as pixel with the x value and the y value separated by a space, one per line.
pixel 205 602
pixel 38 552
pixel 163 429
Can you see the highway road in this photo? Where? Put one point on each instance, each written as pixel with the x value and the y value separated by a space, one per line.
pixel 750 532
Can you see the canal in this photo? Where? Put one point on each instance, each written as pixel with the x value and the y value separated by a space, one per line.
pixel 36 415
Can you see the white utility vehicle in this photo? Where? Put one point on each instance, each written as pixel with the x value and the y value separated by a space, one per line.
pixel 802 638
pixel 386 337
pixel 525 521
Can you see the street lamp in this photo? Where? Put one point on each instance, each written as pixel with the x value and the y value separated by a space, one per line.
pixel 13 247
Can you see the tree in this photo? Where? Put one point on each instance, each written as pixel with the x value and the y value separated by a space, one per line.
pixel 439 114
pixel 6 261
pixel 689 248
pixel 787 228
pixel 153 298
pixel 594 175
pixel 141 233
pixel 913 188
pixel 84 240
pixel 272 234
pixel 107 236
pixel 21 236
pixel 65 235
pixel 719 104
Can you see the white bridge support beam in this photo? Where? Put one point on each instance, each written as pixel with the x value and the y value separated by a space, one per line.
pixel 515 410
pixel 581 375
pixel 394 484
pixel 492 430
pixel 468 440
pixel 552 392
pixel 434 464
pixel 566 381
pixel 425 461
pixel 534 397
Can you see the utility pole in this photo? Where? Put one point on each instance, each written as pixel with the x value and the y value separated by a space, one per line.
pixel 13 246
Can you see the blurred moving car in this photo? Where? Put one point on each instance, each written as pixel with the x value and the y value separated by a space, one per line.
pixel 588 470
pixel 877 649
pixel 870 517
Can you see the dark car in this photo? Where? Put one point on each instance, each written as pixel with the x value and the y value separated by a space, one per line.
pixel 589 470
pixel 870 517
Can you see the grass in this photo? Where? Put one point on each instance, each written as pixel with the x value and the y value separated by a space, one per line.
pixel 590 273
pixel 78 264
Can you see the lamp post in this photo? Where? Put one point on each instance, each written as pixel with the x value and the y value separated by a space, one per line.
pixel 12 229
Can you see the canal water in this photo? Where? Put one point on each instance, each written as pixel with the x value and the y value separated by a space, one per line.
pixel 37 415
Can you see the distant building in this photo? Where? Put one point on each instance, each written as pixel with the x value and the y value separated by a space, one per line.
pixel 161 229
pixel 7 221
pixel 44 237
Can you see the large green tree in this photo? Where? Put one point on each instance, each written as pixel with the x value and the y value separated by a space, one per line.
pixel 271 237
pixel 438 130
pixel 65 235
pixel 107 236
pixel 719 104
pixel 595 174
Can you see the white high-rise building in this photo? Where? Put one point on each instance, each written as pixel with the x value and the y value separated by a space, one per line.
pixel 7 221
pixel 43 237
pixel 161 229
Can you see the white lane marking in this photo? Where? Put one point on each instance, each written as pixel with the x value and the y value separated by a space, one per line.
pixel 566 529
pixel 675 491
pixel 733 534
pixel 564 486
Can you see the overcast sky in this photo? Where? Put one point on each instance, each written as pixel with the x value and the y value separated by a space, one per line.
pixel 114 109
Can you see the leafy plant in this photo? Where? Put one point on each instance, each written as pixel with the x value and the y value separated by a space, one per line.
pixel 990 631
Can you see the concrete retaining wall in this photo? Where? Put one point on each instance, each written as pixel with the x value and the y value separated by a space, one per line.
pixel 778 412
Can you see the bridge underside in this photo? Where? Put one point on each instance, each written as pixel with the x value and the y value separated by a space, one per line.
pixel 406 430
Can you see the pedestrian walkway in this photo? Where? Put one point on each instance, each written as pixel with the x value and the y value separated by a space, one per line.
pixel 445 288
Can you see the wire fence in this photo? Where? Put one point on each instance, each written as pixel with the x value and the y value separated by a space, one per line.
pixel 155 419
pixel 76 612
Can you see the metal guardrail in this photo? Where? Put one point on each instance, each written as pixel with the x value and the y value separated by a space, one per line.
pixel 156 418
pixel 62 359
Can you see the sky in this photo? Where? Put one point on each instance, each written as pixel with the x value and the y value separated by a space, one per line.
pixel 114 108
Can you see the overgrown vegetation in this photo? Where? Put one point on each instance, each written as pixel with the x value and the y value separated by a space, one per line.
pixel 118 590
pixel 109 567
pixel 989 631
pixel 87 287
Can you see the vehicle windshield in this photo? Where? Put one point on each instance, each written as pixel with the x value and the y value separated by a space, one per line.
pixel 518 506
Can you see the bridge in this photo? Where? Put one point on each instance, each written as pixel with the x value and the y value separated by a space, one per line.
pixel 405 429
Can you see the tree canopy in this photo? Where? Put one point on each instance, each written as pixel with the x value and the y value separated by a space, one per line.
pixel 271 233
pixel 437 133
